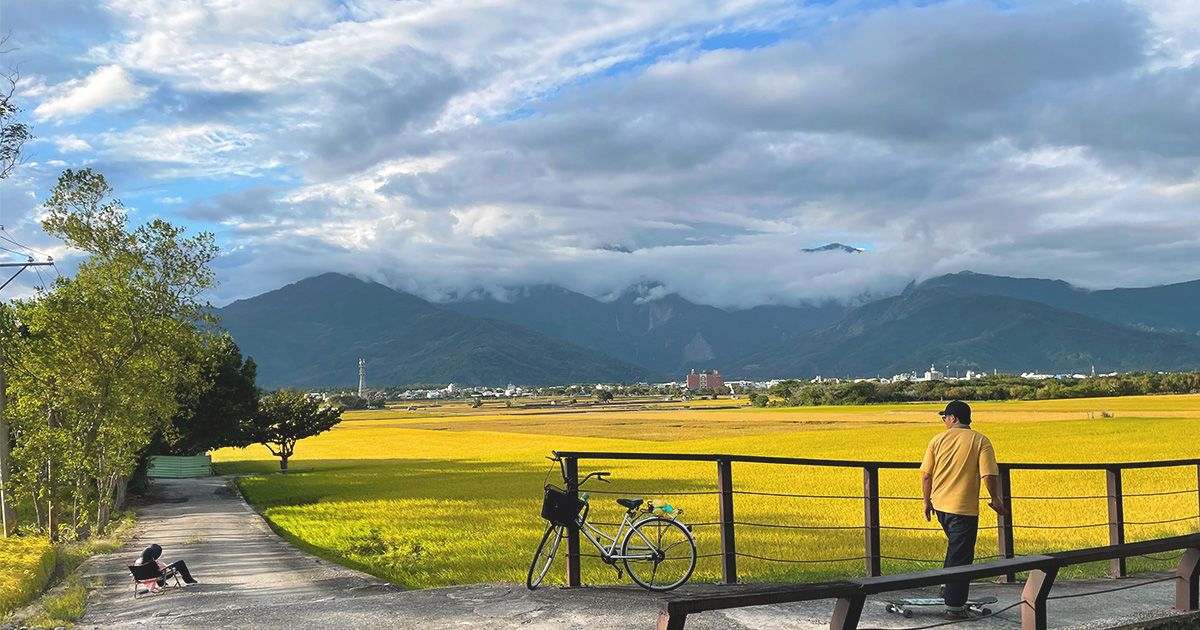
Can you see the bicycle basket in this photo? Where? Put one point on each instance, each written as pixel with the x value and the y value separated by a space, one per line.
pixel 560 508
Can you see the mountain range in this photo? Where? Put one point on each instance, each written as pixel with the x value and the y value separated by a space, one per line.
pixel 312 333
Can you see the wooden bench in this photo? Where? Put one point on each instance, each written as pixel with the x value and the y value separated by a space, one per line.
pixel 1042 569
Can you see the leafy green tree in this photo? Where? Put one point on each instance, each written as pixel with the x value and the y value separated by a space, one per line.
pixel 288 416
pixel 105 354
pixel 214 409
pixel 348 401
pixel 604 395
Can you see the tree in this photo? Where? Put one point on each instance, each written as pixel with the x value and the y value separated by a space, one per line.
pixel 288 416
pixel 604 395
pixel 13 133
pixel 106 353
pixel 214 409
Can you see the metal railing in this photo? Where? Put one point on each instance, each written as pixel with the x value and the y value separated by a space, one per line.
pixel 872 552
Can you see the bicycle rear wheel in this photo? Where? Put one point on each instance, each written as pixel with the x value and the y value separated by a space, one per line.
pixel 544 556
pixel 664 554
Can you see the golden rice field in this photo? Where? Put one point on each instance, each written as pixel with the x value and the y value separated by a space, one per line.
pixel 451 495
pixel 25 565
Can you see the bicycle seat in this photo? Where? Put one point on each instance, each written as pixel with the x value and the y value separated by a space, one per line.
pixel 632 504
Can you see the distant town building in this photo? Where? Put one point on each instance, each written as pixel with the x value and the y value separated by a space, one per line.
pixel 932 374
pixel 704 379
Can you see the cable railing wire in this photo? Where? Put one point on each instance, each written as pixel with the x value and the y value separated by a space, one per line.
pixel 778 526
pixel 652 493
pixel 977 558
pixel 742 554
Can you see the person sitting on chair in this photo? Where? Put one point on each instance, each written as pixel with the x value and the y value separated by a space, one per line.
pixel 150 556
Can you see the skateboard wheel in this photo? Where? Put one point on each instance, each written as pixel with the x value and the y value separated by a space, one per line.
pixel 987 611
pixel 890 608
pixel 908 614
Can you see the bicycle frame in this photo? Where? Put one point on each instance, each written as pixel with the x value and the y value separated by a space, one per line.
pixel 608 554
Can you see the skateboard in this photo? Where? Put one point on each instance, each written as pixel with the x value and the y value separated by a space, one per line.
pixel 901 606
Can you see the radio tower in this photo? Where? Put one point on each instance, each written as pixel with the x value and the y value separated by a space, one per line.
pixel 362 378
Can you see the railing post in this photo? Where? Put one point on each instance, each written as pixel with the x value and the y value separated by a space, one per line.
pixel 571 468
pixel 1197 489
pixel 1187 587
pixel 871 520
pixel 1116 519
pixel 1033 598
pixel 728 545
pixel 1004 524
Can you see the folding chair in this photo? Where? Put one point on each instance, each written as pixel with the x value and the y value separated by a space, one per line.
pixel 150 572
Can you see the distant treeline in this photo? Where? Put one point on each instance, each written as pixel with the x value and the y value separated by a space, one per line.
pixel 999 387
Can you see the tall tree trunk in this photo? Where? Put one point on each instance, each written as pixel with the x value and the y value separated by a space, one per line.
pixel 283 462
pixel 122 491
pixel 8 516
pixel 51 515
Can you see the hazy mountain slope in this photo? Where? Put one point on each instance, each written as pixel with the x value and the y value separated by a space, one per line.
pixel 664 333
pixel 312 333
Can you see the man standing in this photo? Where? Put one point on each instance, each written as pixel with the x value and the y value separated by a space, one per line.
pixel 954 463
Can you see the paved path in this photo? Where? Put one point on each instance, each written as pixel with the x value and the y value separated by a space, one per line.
pixel 251 579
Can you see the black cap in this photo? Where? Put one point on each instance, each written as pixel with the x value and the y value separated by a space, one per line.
pixel 958 409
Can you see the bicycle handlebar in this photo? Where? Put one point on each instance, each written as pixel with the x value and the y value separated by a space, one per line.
pixel 600 475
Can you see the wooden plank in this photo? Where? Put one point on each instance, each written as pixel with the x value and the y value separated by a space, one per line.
pixel 761 597
pixel 728 544
pixel 871 521
pixel 1096 554
pixel 933 577
pixel 1116 520
pixel 1033 598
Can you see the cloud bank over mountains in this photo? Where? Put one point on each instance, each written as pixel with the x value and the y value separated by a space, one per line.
pixel 442 148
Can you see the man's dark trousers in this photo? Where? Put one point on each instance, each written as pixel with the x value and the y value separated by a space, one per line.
pixel 961 532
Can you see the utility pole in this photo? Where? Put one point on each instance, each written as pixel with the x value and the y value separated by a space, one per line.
pixel 8 516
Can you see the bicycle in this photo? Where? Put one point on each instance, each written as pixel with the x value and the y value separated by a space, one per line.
pixel 658 552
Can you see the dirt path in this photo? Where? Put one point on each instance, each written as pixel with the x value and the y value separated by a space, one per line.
pixel 251 579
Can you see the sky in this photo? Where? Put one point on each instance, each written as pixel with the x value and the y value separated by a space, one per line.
pixel 446 148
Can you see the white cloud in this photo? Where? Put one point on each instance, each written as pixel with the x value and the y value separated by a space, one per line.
pixel 71 143
pixel 444 146
pixel 190 150
pixel 108 87
pixel 170 201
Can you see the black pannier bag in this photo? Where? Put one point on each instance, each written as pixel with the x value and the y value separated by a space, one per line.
pixel 560 508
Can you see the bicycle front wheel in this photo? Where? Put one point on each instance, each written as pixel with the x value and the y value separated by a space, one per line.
pixel 544 556
pixel 661 554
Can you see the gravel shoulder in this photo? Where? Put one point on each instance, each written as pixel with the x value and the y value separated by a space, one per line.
pixel 250 578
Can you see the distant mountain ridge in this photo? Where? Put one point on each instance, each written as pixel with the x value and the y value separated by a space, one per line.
pixel 933 324
pixel 311 333
pixel 662 332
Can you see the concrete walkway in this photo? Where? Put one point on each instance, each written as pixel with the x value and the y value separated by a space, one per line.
pixel 251 579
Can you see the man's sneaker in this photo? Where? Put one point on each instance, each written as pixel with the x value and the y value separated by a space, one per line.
pixel 961 614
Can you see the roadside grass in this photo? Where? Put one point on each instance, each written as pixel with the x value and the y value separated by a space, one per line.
pixel 436 506
pixel 26 563
pixel 61 608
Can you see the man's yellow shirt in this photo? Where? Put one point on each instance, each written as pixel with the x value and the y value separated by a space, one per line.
pixel 958 458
